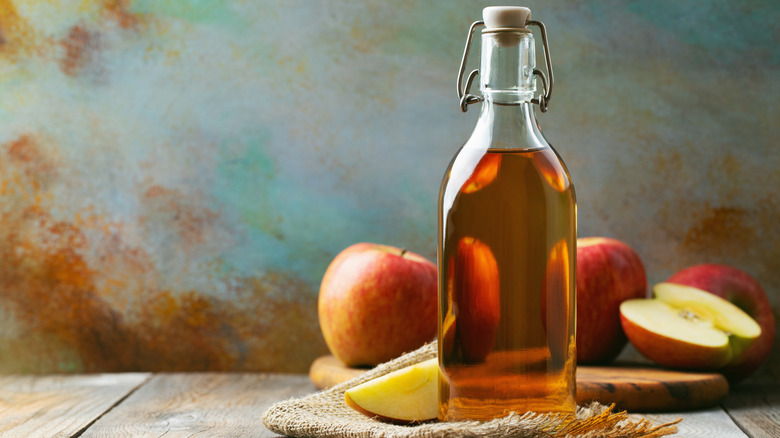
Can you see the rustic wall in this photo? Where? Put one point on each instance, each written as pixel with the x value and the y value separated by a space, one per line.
pixel 175 175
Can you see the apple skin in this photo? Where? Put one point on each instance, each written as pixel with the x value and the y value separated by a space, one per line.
pixel 608 273
pixel 743 291
pixel 377 302
pixel 477 297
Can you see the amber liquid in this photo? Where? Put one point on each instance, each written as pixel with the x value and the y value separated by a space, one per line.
pixel 507 259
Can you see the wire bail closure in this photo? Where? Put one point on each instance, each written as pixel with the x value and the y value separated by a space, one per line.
pixel 466 98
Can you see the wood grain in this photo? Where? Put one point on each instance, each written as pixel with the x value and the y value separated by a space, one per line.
pixel 228 405
pixel 632 388
pixel 708 423
pixel 647 389
pixel 755 407
pixel 327 371
pixel 200 405
pixel 59 406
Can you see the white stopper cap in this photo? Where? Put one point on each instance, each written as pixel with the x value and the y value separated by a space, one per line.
pixel 505 16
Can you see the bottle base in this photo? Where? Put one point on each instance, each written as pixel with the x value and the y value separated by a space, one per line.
pixel 506 382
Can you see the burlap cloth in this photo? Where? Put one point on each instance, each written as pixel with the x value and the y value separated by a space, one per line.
pixel 325 414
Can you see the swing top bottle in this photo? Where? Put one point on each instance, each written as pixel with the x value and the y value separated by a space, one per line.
pixel 507 242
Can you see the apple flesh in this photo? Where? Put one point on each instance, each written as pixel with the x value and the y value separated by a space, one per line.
pixel 477 299
pixel 742 290
pixel 685 327
pixel 377 302
pixel 608 273
pixel 403 396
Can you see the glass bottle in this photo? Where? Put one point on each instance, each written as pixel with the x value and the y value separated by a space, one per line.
pixel 507 243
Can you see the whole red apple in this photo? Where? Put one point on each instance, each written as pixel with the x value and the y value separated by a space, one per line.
pixel 377 302
pixel 608 273
pixel 743 291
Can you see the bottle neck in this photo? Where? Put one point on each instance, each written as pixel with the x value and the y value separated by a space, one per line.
pixel 507 65
pixel 507 126
pixel 507 120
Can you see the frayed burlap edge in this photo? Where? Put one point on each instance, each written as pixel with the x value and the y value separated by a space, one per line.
pixel 325 414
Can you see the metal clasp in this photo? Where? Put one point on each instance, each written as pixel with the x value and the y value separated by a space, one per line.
pixel 544 100
pixel 466 98
pixel 463 93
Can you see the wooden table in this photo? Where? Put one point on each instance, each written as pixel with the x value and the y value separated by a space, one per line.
pixel 231 405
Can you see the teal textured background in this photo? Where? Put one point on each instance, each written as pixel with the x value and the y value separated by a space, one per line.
pixel 176 175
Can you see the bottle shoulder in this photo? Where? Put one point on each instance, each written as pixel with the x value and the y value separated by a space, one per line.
pixel 472 165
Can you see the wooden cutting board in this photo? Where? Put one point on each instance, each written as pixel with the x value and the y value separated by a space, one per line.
pixel 637 388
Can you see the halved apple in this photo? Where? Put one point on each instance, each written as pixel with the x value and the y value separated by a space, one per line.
pixel 403 396
pixel 684 327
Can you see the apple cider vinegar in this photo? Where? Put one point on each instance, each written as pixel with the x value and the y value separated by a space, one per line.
pixel 507 285
pixel 507 245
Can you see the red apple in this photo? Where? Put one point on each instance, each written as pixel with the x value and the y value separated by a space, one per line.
pixel 742 290
pixel 477 299
pixel 608 273
pixel 377 302
pixel 686 327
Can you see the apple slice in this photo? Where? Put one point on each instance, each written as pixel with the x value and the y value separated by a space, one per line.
pixel 684 327
pixel 403 396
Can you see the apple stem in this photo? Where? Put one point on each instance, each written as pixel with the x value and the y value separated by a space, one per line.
pixel 403 251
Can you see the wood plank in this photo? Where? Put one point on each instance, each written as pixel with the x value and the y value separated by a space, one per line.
pixel 755 407
pixel 200 405
pixel 709 423
pixel 60 406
